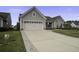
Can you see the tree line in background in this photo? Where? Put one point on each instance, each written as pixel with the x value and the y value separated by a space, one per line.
pixel 67 25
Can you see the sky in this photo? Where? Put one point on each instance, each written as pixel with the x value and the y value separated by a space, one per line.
pixel 67 12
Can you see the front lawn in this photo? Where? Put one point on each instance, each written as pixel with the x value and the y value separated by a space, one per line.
pixel 12 44
pixel 73 33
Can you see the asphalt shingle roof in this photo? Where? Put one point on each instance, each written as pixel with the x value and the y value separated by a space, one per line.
pixel 54 18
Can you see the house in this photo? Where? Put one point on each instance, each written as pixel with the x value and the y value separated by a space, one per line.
pixel 5 20
pixel 73 24
pixel 54 22
pixel 33 19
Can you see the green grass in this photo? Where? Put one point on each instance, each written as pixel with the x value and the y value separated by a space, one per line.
pixel 13 44
pixel 73 33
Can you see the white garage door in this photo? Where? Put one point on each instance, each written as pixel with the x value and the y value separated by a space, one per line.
pixel 33 25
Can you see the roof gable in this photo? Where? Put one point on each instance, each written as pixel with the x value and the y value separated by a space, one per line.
pixel 58 18
pixel 33 9
pixel 49 18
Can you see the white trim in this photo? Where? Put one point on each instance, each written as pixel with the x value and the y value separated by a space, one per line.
pixel 1 23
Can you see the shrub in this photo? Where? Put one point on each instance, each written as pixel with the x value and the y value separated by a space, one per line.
pixel 5 29
pixel 2 39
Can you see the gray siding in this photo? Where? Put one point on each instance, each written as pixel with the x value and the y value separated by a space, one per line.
pixel 30 17
pixel 6 20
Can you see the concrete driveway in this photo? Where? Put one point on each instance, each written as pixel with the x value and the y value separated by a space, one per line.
pixel 48 41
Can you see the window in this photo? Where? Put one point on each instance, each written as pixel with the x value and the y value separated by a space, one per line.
pixel 40 22
pixel 33 14
pixel 26 21
pixel 32 22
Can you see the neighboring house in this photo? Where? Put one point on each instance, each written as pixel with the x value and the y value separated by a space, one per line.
pixel 54 22
pixel 5 20
pixel 75 24
pixel 33 19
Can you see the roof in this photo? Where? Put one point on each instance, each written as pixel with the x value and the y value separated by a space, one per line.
pixel 58 18
pixel 33 8
pixel 49 18
pixel 4 15
pixel 54 18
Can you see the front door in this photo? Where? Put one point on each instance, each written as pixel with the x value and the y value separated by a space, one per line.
pixel 48 25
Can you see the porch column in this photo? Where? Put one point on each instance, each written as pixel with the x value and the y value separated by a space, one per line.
pixel 1 23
